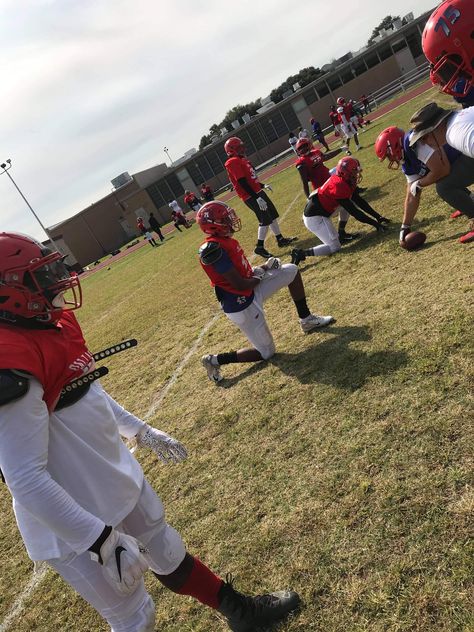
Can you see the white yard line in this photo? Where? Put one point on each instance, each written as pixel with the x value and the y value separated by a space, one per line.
pixel 19 603
pixel 37 577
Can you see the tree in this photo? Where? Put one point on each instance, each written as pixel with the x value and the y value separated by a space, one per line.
pixel 386 23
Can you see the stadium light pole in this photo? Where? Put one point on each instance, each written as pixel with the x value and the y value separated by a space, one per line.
pixel 6 166
pixel 166 150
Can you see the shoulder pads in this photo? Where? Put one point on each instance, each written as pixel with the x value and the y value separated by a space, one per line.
pixel 12 386
pixel 210 252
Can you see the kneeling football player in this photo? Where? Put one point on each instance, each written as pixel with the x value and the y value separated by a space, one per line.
pixel 242 289
pixel 81 500
pixel 339 192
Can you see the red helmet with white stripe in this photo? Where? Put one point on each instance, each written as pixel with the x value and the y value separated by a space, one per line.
pixel 389 144
pixel 216 218
pixel 234 147
pixel 350 170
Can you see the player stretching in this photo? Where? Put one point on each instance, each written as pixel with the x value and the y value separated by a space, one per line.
pixel 247 186
pixel 81 500
pixel 242 290
pixel 340 190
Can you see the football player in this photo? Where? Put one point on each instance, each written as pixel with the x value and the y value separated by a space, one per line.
pixel 81 500
pixel 423 165
pixel 250 190
pixel 192 200
pixel 335 120
pixel 242 289
pixel 348 127
pixel 318 133
pixel 448 45
pixel 339 190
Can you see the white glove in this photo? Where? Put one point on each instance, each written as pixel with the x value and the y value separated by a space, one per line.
pixel 262 205
pixel 415 188
pixel 166 448
pixel 404 230
pixel 272 263
pixel 259 272
pixel 268 188
pixel 122 560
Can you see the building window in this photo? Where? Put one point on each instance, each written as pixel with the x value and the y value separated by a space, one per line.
pixel 400 45
pixel 372 60
pixel 385 52
pixel 414 44
pixel 174 184
pixel 334 82
pixel 156 196
pixel 291 120
pixel 247 141
pixel 310 96
pixel 322 90
pixel 359 68
pixel 204 168
pixel 256 136
pixel 269 129
pixel 346 75
pixel 214 161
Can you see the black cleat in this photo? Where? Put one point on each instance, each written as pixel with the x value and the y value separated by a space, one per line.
pixel 260 250
pixel 346 237
pixel 297 256
pixel 384 220
pixel 249 614
pixel 286 241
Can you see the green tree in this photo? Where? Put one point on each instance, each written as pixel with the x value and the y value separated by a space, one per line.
pixel 386 23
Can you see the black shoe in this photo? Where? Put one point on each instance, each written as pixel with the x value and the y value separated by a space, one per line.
pixel 384 220
pixel 346 237
pixel 361 189
pixel 297 256
pixel 249 614
pixel 260 250
pixel 286 241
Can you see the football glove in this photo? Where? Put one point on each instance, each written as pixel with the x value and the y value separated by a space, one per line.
pixel 268 188
pixel 166 448
pixel 122 560
pixel 273 263
pixel 259 272
pixel 262 205
pixel 404 230
pixel 415 188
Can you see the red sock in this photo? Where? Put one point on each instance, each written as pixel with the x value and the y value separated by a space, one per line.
pixel 202 584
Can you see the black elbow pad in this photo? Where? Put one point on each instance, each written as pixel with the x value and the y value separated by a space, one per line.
pixel 210 252
pixel 13 385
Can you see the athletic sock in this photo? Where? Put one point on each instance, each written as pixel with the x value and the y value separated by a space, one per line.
pixel 202 584
pixel 309 252
pixel 302 308
pixel 260 243
pixel 226 358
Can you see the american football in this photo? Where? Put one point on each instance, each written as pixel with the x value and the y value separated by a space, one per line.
pixel 414 240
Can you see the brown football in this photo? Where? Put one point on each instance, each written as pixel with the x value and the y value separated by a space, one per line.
pixel 413 240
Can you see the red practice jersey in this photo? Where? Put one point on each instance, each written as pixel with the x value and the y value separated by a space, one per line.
pixel 313 166
pixel 333 190
pixel 335 119
pixel 239 261
pixel 54 356
pixel 348 111
pixel 238 168
pixel 190 199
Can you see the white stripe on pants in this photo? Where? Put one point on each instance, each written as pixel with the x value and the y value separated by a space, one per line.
pixel 251 321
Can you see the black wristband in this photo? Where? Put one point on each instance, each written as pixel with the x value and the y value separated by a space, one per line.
pixel 95 548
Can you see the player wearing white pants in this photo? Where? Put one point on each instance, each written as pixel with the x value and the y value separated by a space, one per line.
pixel 324 230
pixel 80 498
pixel 242 289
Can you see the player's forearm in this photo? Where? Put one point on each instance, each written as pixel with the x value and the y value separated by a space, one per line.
pixel 360 216
pixel 411 207
pixel 129 426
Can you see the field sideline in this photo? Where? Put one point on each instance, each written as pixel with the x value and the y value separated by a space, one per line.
pixel 341 468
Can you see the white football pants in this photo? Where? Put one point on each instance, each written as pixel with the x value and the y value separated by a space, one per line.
pixel 324 230
pixel 251 321
pixel 136 612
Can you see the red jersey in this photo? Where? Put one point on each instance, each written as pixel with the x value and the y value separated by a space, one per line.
pixel 239 261
pixel 191 199
pixel 54 356
pixel 238 168
pixel 348 111
pixel 316 171
pixel 333 190
pixel 334 116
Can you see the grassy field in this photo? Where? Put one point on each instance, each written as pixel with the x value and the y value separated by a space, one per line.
pixel 341 468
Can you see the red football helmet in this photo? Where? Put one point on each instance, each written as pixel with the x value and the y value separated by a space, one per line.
pixel 448 43
pixel 303 146
pixel 216 218
pixel 33 280
pixel 234 147
pixel 349 169
pixel 341 101
pixel 389 144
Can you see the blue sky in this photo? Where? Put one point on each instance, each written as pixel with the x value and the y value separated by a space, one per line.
pixel 92 88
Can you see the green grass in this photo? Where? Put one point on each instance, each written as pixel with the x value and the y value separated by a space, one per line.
pixel 341 468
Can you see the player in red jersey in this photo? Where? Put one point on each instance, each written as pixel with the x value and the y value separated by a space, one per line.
pixel 250 190
pixel 348 128
pixel 81 500
pixel 242 289
pixel 340 190
pixel 192 200
pixel 310 165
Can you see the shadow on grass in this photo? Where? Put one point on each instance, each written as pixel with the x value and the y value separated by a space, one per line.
pixel 335 363
pixel 250 370
pixel 374 193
